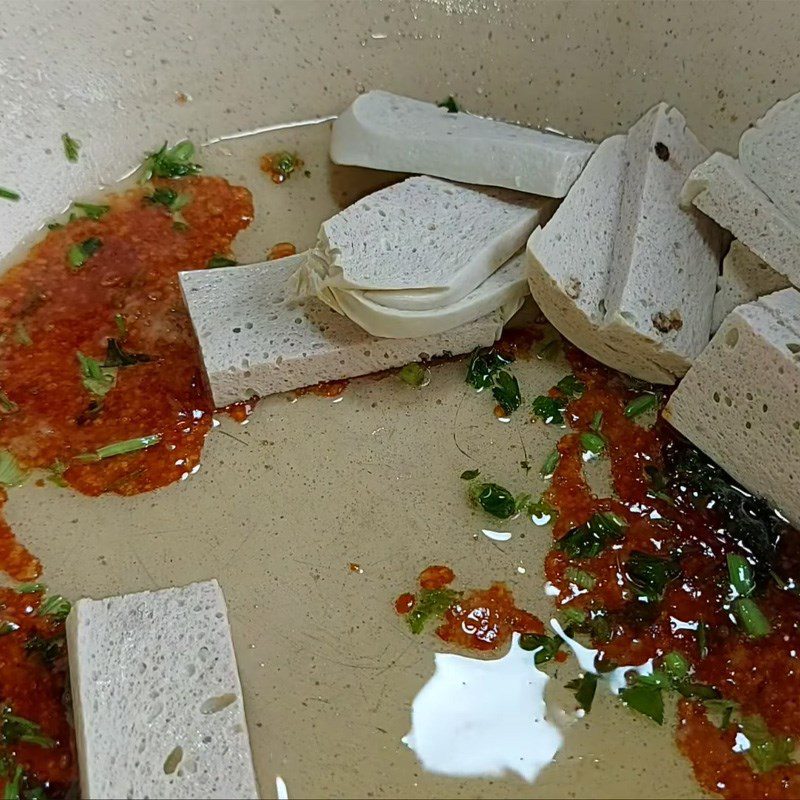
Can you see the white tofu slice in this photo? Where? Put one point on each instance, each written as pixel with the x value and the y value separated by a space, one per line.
pixel 506 289
pixel 720 189
pixel 156 696
pixel 745 277
pixel 388 131
pixel 620 269
pixel 254 342
pixel 420 244
pixel 740 401
pixel 768 154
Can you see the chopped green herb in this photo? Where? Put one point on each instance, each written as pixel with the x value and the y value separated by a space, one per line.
pixel 8 194
pixel 702 637
pixel 11 474
pixel 56 476
pixel 751 617
pixel 92 211
pixel 431 604
pixel 741 575
pixel 676 666
pixel 31 588
pixel 573 617
pixel 584 689
pixel 540 511
pixel 54 606
pixel 117 356
pixel 217 261
pixel 506 391
pixel 49 650
pixel 697 691
pixel 766 751
pixel 591 538
pixel 646 698
pixel 18 729
pixel 593 443
pixel 550 409
pixel 494 499
pixel 284 164
pixel 550 464
pixel 173 162
pixel 71 147
pixel 7 406
pixel 650 574
pixel 545 646
pixel 97 379
pixel 597 422
pixel 79 254
pixel 483 367
pixel 571 386
pixel 640 405
pixel 169 198
pixel 21 335
pixel 414 375
pixel 54 226
pixel 122 326
pixel 120 448
pixel 581 578
pixel 470 474
pixel 549 350
pixel 450 104
pixel 13 788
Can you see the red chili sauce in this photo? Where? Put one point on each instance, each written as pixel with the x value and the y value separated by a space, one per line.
pixel 762 675
pixel 48 313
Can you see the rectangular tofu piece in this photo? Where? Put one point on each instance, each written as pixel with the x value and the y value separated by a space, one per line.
pixel 420 244
pixel 254 342
pixel 745 277
pixel 621 270
pixel 740 401
pixel 666 259
pixel 388 131
pixel 156 696
pixel 720 188
pixel 768 155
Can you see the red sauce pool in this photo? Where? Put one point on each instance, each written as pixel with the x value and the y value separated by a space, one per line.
pixel 50 312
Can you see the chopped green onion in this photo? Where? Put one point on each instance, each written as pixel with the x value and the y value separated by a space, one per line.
pixel 92 211
pixel 571 386
pixel 591 538
pixel 122 326
pixel 751 617
pixel 550 464
pixel 676 666
pixel 18 729
pixel 8 194
pixel 581 578
pixel 766 751
pixel 650 574
pixel 120 448
pixel 592 443
pixel 597 422
pixel 174 162
pixel 741 575
pixel 54 606
pixel 11 474
pixel 96 378
pixel 584 689
pixel 415 375
pixel 506 391
pixel 494 499
pixel 71 147
pixel 31 588
pixel 640 405
pixel 79 254
pixel 549 409
pixel 483 367
pixel 431 603
pixel 545 646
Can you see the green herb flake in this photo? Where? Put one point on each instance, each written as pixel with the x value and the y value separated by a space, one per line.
pixel 580 577
pixel 646 698
pixel 766 751
pixel 7 405
pixel 676 666
pixel 597 422
pixel 450 104
pixel 506 392
pixel 216 261
pixel 592 443
pixel 414 375
pixel 540 511
pixel 494 499
pixel 431 604
pixel 172 162
pixel 55 606
pixel 483 367
pixel 649 574
pixel 640 405
pixel 591 538
pixel 571 386
pixel 120 448
pixel 11 474
pixel 13 788
pixel 97 379
pixel 21 335
pixel 545 646
pixel 751 618
pixel 122 327
pixel 71 147
pixel 56 476
pixel 117 356
pixel 31 588
pixel 9 194
pixel 91 210
pixel 79 254
pixel 470 474
pixel 741 575
pixel 702 638
pixel 584 689
pixel 18 729
pixel 549 409
pixel 550 464
pixel 573 617
pixel 49 650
